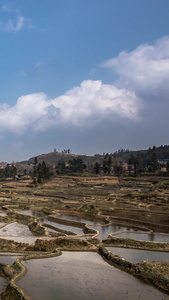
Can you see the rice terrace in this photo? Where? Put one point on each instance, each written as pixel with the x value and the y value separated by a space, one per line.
pixel 84 150
pixel 91 236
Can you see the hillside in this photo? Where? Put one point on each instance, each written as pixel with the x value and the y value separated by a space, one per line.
pixel 123 155
pixel 52 157
pixel 144 156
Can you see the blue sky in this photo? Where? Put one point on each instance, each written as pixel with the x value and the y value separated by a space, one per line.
pixel 92 76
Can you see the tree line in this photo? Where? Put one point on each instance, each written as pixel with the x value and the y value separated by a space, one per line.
pixel 121 162
pixel 8 172
pixel 41 171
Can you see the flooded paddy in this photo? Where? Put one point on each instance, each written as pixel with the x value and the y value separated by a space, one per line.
pixel 8 259
pixel 137 256
pixel 3 214
pixel 74 218
pixel 34 213
pixel 3 283
pixel 15 229
pixel 152 237
pixel 83 275
pixel 76 230
pixel 106 230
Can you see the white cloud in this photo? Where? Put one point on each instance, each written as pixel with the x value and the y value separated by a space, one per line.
pixel 13 26
pixel 27 110
pixel 96 100
pixel 145 70
pixel 99 116
pixel 91 102
pixel 15 22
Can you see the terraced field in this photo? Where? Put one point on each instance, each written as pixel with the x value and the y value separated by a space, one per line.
pixel 77 213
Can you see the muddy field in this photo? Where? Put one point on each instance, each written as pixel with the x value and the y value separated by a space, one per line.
pixel 84 214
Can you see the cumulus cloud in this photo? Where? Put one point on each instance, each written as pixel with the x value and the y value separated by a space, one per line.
pixel 94 117
pixel 27 110
pixel 91 102
pixel 144 70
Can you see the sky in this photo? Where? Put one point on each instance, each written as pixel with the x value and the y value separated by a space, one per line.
pixel 89 75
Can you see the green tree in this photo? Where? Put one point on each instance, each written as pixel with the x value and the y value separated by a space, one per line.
pixel 35 168
pixel 109 164
pixel 76 165
pixel 105 166
pixel 43 172
pixel 7 171
pixel 154 158
pixel 118 169
pixel 97 168
pixel 61 167
pixel 129 166
pixel 13 171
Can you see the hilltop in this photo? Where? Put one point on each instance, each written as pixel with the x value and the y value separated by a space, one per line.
pixel 123 155
pixel 50 158
pixel 54 157
pixel 151 160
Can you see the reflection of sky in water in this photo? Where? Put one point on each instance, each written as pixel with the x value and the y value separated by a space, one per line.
pixel 74 218
pixel 61 226
pixel 153 237
pixel 82 275
pixel 3 214
pixel 7 259
pixel 105 230
pixel 15 229
pixel 34 213
pixel 136 256
pixel 3 283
